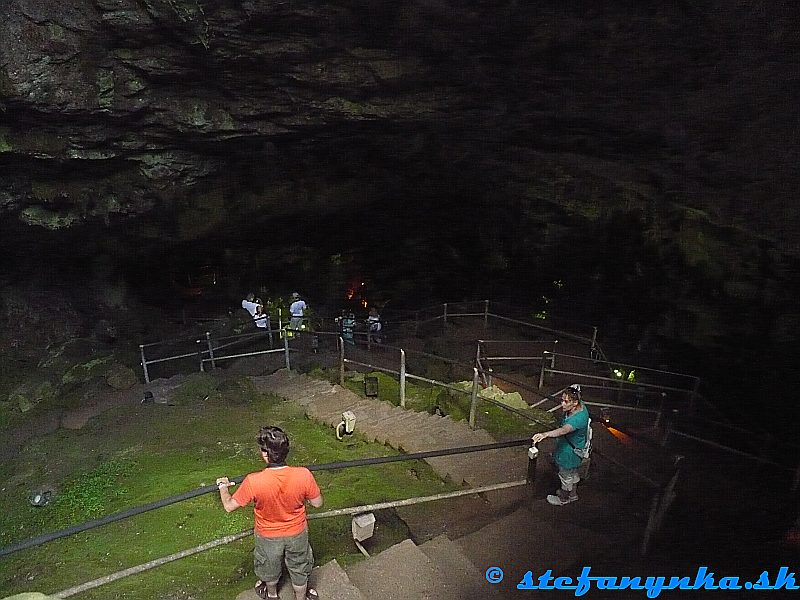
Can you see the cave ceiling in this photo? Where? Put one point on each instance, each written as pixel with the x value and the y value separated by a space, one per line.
pixel 181 120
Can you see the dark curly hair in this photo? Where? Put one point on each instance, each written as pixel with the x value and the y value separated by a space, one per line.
pixel 275 443
pixel 573 391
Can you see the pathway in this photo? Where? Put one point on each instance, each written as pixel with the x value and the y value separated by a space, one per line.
pixel 514 529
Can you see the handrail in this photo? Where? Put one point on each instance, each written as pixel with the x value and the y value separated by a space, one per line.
pixel 510 409
pixel 350 510
pixel 573 336
pixel 620 364
pixel 125 514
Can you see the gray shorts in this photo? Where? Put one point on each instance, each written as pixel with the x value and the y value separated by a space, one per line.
pixel 569 478
pixel 270 554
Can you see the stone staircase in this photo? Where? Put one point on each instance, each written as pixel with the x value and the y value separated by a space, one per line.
pixel 525 534
pixel 406 430
pixel 536 537
pixel 435 570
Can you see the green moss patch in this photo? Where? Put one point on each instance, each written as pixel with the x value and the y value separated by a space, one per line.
pixel 144 452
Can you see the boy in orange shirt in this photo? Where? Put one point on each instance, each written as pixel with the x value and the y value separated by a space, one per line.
pixel 279 493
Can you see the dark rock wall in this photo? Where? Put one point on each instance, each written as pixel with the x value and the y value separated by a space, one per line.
pixel 633 149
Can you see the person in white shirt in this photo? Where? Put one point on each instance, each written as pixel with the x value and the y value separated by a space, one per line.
pixel 374 325
pixel 261 318
pixel 296 311
pixel 250 305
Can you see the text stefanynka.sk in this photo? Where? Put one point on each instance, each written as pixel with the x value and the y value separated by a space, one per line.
pixel 704 579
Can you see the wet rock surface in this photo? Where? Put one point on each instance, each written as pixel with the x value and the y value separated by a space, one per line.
pixel 120 108
pixel 641 154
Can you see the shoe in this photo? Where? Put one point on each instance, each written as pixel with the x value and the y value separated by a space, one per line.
pixel 261 590
pixel 560 499
pixel 311 594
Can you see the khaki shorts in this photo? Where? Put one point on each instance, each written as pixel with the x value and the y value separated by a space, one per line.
pixel 270 554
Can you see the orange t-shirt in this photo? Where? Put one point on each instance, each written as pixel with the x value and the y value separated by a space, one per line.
pixel 279 494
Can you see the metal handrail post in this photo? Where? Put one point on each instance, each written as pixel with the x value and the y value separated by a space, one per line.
pixel 210 350
pixel 280 323
pixel 693 395
pixel 144 365
pixel 286 352
pixel 269 332
pixel 544 367
pixel 473 405
pixel 445 313
pixel 533 457
pixel 416 323
pixel 593 349
pixel 651 521
pixel 402 378
pixel 660 414
pixel 341 360
pixel 485 314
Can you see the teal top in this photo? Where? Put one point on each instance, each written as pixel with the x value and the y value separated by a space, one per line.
pixel 564 455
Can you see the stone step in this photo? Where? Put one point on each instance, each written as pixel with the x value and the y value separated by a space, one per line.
pixel 408 430
pixel 403 572
pixel 333 413
pixel 330 581
pixel 449 558
pixel 447 467
pixel 330 407
pixel 374 413
pixel 312 388
pixel 399 429
pixel 535 538
pixel 404 419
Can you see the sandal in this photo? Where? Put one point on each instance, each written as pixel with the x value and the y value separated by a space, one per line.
pixel 311 594
pixel 261 591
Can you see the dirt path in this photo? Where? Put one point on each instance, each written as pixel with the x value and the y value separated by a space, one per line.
pixel 95 403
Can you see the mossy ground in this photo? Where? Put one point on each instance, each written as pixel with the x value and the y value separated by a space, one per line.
pixel 142 453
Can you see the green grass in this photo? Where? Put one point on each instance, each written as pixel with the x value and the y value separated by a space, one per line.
pixel 142 453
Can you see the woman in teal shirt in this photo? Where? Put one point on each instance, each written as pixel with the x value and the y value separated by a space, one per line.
pixel 569 437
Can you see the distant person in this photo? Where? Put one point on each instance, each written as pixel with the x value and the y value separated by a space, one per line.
pixel 571 440
pixel 279 494
pixel 296 311
pixel 250 305
pixel 374 325
pixel 261 318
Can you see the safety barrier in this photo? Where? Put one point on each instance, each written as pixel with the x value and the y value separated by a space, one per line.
pixel 475 397
pixel 404 375
pixel 645 397
pixel 661 501
pixel 126 514
pixel 351 510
